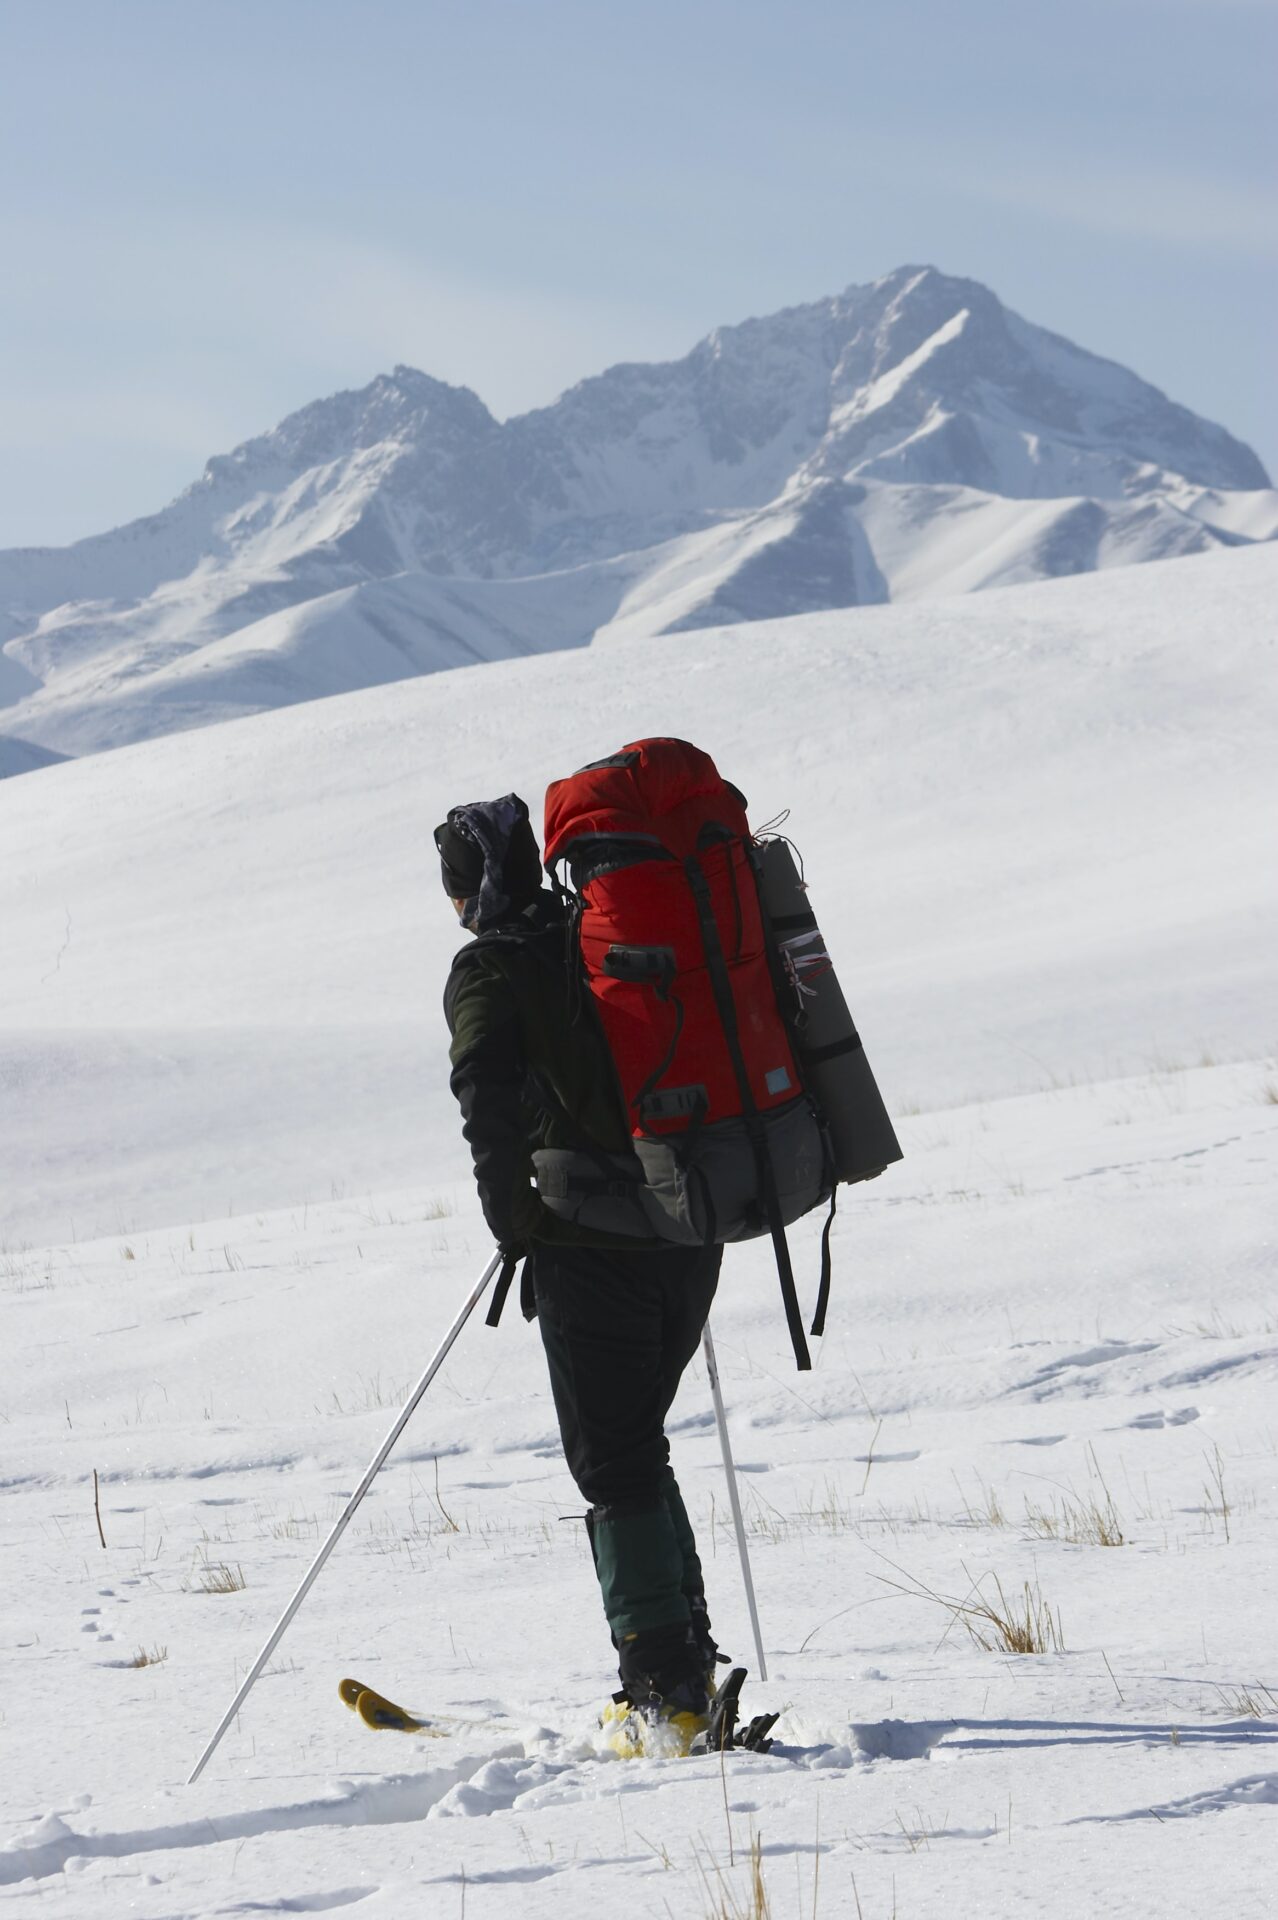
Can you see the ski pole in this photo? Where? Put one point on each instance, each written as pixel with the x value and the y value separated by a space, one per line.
pixel 379 1458
pixel 725 1448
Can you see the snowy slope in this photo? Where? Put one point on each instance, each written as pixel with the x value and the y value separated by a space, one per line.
pixel 226 947
pixel 907 438
pixel 1038 829
pixel 1061 1308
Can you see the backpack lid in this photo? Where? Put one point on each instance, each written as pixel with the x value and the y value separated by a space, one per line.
pixel 663 788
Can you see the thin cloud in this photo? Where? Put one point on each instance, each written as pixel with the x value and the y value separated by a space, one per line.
pixel 1160 206
pixel 223 297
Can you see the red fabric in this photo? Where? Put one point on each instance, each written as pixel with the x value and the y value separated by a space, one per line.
pixel 670 792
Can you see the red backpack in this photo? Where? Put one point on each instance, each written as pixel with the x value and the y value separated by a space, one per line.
pixel 691 992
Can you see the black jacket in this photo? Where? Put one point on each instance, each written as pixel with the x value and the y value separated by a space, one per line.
pixel 530 1068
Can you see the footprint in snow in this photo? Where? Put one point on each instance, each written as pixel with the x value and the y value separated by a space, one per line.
pixel 1175 1417
pixel 1256 1790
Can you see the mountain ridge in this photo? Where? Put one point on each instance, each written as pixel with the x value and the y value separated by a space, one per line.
pixel 910 436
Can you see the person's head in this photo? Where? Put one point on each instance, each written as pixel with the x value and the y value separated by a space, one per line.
pixel 489 860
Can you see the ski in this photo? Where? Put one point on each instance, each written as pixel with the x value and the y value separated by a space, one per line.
pixel 376 1711
pixel 627 1738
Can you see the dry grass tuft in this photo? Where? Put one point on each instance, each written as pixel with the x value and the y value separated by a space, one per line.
pixel 1092 1522
pixel 991 1621
pixel 221 1578
pixel 724 1902
pixel 1216 1499
pixel 1250 1703
pixel 1081 1520
pixel 370 1395
pixel 149 1657
pixel 1027 1626
pixel 988 1511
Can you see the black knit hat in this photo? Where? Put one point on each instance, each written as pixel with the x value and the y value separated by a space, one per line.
pixel 488 858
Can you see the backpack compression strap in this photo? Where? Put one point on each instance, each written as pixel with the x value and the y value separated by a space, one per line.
pixel 823 1291
pixel 717 967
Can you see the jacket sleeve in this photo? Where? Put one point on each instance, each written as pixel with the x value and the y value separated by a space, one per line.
pixel 488 1079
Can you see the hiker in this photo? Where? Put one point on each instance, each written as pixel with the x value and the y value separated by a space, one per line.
pixel 620 1318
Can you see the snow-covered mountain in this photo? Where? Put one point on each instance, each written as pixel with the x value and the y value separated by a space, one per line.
pixel 904 439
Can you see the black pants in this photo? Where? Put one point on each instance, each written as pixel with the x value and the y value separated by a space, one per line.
pixel 619 1329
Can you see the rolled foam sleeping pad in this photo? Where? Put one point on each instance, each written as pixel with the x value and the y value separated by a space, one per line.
pixel 831 1057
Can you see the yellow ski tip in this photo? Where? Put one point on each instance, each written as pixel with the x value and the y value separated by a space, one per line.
pixel 375 1710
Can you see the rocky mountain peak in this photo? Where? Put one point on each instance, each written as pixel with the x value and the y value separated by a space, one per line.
pixel 909 436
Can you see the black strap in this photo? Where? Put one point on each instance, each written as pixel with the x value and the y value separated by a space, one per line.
pixel 780 1246
pixel 725 1002
pixel 502 1288
pixel 851 1043
pixel 668 999
pixel 587 1184
pixel 823 1291
pixel 739 921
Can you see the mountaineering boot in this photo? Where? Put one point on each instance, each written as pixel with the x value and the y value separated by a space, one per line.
pixel 663 1703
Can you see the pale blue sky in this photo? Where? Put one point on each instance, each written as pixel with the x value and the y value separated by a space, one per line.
pixel 216 210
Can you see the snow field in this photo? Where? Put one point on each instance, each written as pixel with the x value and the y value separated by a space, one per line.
pixel 1063 1303
pixel 235 1219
